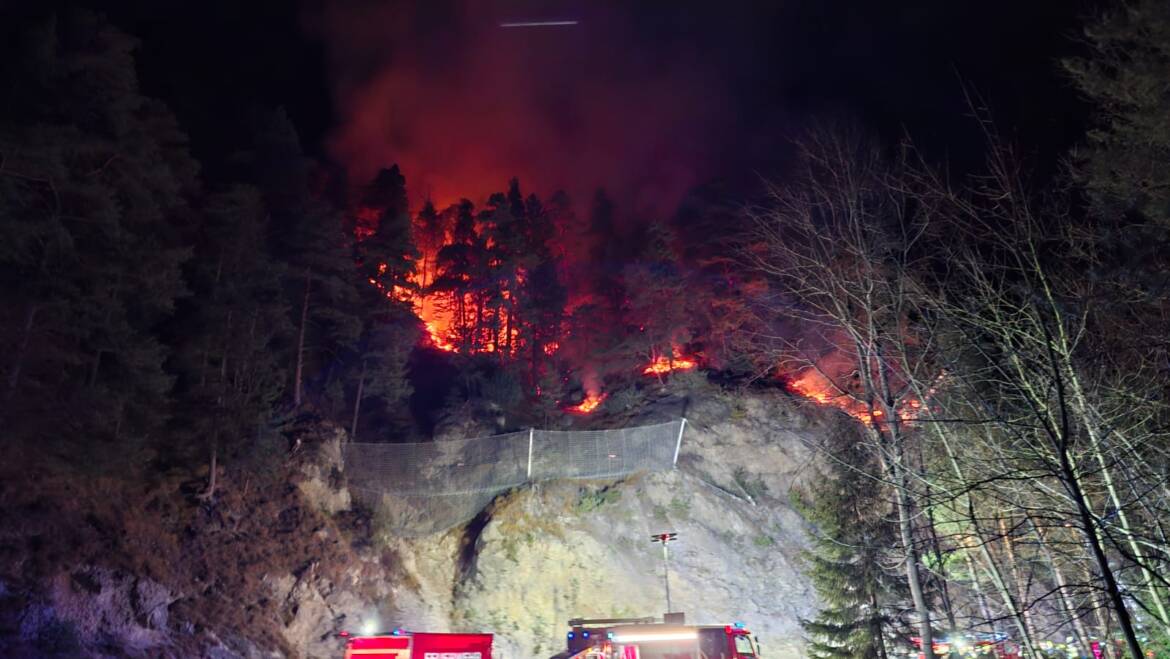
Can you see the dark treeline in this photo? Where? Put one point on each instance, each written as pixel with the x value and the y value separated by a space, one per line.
pixel 145 310
pixel 150 313
pixel 1003 342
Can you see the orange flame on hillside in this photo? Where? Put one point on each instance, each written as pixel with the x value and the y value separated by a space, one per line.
pixel 817 387
pixel 591 402
pixel 663 365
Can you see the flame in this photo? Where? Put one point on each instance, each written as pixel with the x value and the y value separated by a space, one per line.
pixel 435 336
pixel 662 365
pixel 589 404
pixel 817 387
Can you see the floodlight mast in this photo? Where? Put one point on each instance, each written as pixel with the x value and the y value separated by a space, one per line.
pixel 665 539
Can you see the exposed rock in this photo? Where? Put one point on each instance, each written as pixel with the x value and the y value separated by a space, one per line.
pixel 561 550
pixel 322 470
pixel 276 564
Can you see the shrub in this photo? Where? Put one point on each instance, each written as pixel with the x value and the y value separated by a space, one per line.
pixel 754 488
pixel 591 500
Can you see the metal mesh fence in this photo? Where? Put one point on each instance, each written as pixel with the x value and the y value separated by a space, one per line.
pixel 424 488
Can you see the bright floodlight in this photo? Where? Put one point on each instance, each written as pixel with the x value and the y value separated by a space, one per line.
pixel 369 627
pixel 538 23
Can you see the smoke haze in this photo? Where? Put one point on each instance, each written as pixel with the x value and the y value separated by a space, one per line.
pixel 620 101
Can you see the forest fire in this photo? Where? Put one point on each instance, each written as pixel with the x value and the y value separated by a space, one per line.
pixel 817 387
pixel 663 365
pixel 436 336
pixel 591 402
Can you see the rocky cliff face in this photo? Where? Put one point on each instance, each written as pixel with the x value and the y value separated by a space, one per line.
pixel 277 568
pixel 554 551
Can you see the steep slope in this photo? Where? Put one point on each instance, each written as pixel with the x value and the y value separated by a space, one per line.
pixel 279 561
pixel 541 555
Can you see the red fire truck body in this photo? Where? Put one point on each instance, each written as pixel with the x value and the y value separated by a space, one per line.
pixel 419 645
pixel 652 640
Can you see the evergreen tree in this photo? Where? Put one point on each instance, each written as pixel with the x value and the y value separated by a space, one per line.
pixel 388 253
pixel 459 266
pixel 232 331
pixel 658 308
pixel 382 372
pixel 1126 166
pixel 94 182
pixel 430 235
pixel 541 304
pixel 853 538
pixel 308 235
pixel 607 254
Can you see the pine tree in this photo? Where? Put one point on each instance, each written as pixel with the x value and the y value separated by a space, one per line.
pixel 388 253
pixel 430 229
pixel 1126 165
pixel 381 372
pixel 231 331
pixel 541 305
pixel 852 540
pixel 308 235
pixel 94 184
pixel 459 268
pixel 658 298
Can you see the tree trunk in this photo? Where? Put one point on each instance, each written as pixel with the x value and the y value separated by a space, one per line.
pixel 1070 610
pixel 475 335
pixel 1001 586
pixel 980 596
pixel 935 544
pixel 212 474
pixel 508 329
pixel 1106 472
pixel 1088 527
pixel 1013 570
pixel 874 362
pixel 30 316
pixel 879 638
pixel 357 403
pixel 300 368
pixel 95 366
pixel 913 578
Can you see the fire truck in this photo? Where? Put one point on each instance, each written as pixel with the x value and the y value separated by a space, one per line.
pixel 994 644
pixel 400 644
pixel 649 638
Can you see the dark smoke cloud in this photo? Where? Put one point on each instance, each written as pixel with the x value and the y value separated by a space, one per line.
pixel 624 100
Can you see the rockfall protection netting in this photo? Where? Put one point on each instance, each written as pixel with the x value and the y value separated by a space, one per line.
pixel 424 488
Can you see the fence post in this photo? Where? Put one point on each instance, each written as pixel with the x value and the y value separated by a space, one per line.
pixel 678 445
pixel 531 432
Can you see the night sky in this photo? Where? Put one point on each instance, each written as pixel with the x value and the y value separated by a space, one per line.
pixel 647 101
